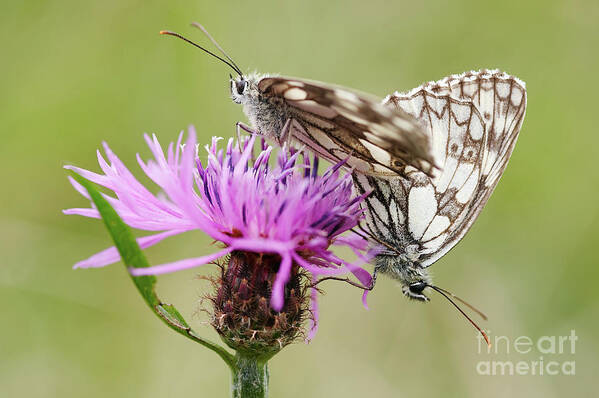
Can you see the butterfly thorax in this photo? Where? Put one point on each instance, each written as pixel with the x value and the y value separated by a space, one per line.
pixel 406 269
pixel 267 114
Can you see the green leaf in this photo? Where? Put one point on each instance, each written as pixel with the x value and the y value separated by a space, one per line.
pixel 133 257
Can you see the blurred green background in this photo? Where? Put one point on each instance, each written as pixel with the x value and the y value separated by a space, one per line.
pixel 75 73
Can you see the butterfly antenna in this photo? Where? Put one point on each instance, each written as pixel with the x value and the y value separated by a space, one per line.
pixel 203 29
pixel 467 304
pixel 346 280
pixel 233 66
pixel 447 294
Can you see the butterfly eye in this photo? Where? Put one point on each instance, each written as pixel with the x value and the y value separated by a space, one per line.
pixel 241 86
pixel 417 287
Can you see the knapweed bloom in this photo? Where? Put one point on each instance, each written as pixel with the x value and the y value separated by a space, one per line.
pixel 277 221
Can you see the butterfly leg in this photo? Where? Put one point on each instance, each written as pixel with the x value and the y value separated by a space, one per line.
pixel 348 281
pixel 285 136
pixel 242 126
pixel 374 275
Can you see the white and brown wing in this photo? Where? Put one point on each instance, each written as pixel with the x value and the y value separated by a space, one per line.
pixel 431 207
pixel 501 100
pixel 473 125
pixel 337 123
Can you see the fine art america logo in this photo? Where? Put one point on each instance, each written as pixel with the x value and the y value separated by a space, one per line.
pixel 551 355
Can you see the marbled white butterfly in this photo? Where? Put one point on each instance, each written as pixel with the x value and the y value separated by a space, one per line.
pixel 473 121
pixel 333 122
pixel 431 157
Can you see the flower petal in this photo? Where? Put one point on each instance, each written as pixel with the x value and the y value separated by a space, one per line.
pixel 278 290
pixel 179 265
pixel 111 255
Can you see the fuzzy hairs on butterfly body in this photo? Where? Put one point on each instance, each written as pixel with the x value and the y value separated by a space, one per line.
pixel 266 114
pixel 405 269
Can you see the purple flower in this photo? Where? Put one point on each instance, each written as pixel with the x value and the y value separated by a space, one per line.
pixel 237 198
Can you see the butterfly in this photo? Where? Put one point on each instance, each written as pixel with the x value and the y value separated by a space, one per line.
pixel 333 122
pixel 473 121
pixel 430 158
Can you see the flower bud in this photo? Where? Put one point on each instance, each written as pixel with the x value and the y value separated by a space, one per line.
pixel 242 314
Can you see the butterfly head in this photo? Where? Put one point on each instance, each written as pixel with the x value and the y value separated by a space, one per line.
pixel 415 290
pixel 242 88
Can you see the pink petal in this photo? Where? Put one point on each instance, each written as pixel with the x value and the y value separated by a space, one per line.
pixel 90 175
pixel 364 297
pixel 262 245
pixel 179 265
pixel 111 255
pixel 316 270
pixel 278 290
pixel 92 213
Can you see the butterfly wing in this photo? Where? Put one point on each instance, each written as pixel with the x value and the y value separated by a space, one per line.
pixel 500 99
pixel 429 208
pixel 336 123
pixel 473 121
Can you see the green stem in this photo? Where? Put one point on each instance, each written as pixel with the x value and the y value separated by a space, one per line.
pixel 133 257
pixel 250 377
